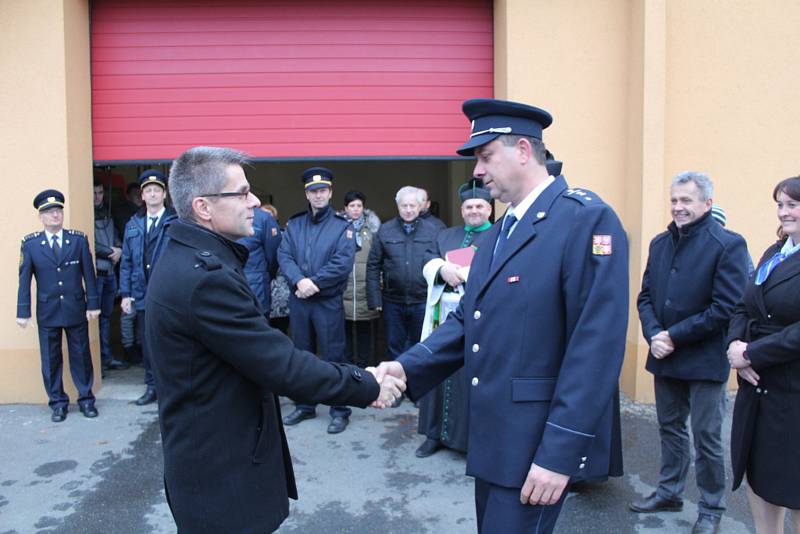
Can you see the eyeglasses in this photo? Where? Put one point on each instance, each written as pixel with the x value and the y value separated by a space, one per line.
pixel 241 194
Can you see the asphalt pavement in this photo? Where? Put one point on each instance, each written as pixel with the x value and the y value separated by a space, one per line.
pixel 104 475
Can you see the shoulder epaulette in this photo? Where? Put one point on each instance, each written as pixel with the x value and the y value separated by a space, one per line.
pixel 584 196
pixel 207 261
pixel 341 216
pixel 75 232
pixel 31 236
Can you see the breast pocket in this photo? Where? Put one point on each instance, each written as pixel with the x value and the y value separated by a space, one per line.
pixel 532 389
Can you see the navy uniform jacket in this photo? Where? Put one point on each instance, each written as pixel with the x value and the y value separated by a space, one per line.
pixel 262 263
pixel 64 288
pixel 132 272
pixel 321 248
pixel 542 337
pixel 693 280
pixel 219 368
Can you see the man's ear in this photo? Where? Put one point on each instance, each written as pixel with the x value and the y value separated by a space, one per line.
pixel 524 150
pixel 201 208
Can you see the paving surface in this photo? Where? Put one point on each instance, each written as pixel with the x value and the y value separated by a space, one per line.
pixel 104 475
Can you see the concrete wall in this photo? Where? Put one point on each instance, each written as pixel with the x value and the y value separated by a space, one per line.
pixel 45 141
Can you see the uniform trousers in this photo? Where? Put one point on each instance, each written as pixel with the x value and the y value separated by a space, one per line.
pixel 80 363
pixel 704 400
pixel 149 379
pixel 317 326
pixel 107 289
pixel 498 511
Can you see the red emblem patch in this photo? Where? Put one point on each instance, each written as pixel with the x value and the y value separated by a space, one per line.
pixel 349 234
pixel 274 232
pixel 601 245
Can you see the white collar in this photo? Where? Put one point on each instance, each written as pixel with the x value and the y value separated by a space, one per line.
pixel 789 248
pixel 157 215
pixel 60 235
pixel 521 208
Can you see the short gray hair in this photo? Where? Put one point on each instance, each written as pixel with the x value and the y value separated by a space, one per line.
pixel 200 171
pixel 700 179
pixel 410 190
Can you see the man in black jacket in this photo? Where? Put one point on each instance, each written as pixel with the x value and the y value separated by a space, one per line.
pixel 395 283
pixel 695 275
pixel 220 367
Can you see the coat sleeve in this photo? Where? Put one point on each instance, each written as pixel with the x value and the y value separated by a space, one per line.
pixel 775 349
pixel 271 242
pixel 340 264
pixel 89 279
pixel 227 323
pixel 125 266
pixel 727 288
pixel 647 313
pixel 24 290
pixel 373 275
pixel 595 291
pixel 287 257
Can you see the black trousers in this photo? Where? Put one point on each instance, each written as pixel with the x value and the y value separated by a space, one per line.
pixel 498 511
pixel 149 379
pixel 80 363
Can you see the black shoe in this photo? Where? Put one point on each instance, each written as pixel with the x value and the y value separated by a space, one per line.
pixel 706 524
pixel 149 397
pixel 59 414
pixel 115 364
pixel 428 447
pixel 88 410
pixel 296 416
pixel 654 503
pixel 338 424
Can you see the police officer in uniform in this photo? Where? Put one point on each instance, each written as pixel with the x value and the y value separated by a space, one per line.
pixel 540 330
pixel 316 256
pixel 66 298
pixel 142 244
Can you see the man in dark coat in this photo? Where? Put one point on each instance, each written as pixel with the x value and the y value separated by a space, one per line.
pixel 220 367
pixel 540 330
pixel 316 256
pixel 695 275
pixel 262 259
pixel 66 298
pixel 443 413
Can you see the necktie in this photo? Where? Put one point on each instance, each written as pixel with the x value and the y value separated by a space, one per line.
pixel 508 223
pixel 765 270
pixel 152 226
pixel 56 248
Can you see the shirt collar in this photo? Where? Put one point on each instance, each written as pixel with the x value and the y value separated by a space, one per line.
pixel 157 215
pixel 60 235
pixel 521 208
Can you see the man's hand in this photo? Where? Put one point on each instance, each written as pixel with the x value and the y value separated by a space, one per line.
pixel 127 305
pixel 736 355
pixel 661 345
pixel 92 314
pixel 306 288
pixel 392 389
pixel 450 274
pixel 391 368
pixel 23 322
pixel 542 486
pixel 116 254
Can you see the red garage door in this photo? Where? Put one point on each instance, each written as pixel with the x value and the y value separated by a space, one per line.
pixel 291 79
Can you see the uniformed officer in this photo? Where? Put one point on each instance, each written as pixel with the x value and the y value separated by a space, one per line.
pixel 66 298
pixel 142 244
pixel 540 330
pixel 316 256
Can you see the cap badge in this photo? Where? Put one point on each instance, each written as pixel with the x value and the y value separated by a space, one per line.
pixel 51 199
pixel 317 178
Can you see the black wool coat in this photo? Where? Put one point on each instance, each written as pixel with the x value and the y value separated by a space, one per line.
pixel 695 275
pixel 219 368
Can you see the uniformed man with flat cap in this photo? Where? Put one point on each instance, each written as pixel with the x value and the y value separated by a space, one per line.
pixel 443 412
pixel 142 244
pixel 66 298
pixel 316 256
pixel 540 330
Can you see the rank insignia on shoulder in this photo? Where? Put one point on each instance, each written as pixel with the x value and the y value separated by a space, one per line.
pixel 274 232
pixel 349 234
pixel 601 245
pixel 513 279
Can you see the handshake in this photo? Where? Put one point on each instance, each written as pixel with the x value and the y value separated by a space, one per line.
pixel 392 379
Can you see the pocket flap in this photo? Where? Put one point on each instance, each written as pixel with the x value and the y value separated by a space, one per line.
pixel 532 389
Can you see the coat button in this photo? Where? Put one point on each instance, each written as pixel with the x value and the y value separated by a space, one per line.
pixel 60 283
pixel 668 302
pixel 58 269
pixel 583 458
pixel 61 297
pixel 758 390
pixel 475 381
pixel 476 315
pixel 476 347
pixel 769 316
pixel 581 466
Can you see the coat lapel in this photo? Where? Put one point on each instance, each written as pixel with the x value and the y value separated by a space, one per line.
pixel 524 232
pixel 788 268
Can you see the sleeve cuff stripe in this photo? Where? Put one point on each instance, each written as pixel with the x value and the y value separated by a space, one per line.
pixel 425 347
pixel 570 431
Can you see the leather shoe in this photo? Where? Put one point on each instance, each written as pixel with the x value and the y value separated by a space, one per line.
pixel 428 447
pixel 59 414
pixel 338 424
pixel 706 524
pixel 296 416
pixel 115 364
pixel 149 397
pixel 88 410
pixel 654 503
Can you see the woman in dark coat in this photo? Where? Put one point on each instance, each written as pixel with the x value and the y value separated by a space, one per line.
pixel 764 347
